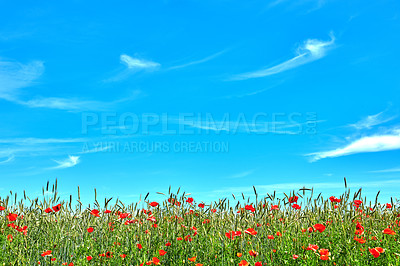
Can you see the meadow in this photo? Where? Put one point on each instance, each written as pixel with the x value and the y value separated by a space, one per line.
pixel 297 228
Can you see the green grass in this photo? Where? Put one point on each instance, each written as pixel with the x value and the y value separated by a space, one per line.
pixel 65 233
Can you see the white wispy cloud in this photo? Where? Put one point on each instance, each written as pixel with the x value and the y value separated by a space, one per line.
pixel 242 174
pixel 391 170
pixel 375 143
pixel 309 51
pixel 138 64
pixel 252 93
pixel 10 158
pixel 34 141
pixel 310 5
pixel 206 59
pixel 372 120
pixel 15 75
pixel 71 161
pixel 134 65
pixel 12 148
pixel 76 104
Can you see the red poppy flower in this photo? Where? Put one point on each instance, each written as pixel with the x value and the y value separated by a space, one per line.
pixel 360 240
pixel 123 215
pixel 239 254
pixel 193 259
pixel 320 227
pixel 296 206
pixel 109 254
pixel 359 226
pixel 293 199
pixel 295 256
pixel 249 208
pixel 389 231
pixel 2 208
pixel 232 234
pixel 271 237
pixel 253 253
pixel 258 263
pixel 123 256
pixel 374 252
pixel 243 263
pixel 251 231
pixel 324 251
pixel 90 229
pixel 95 212
pixel 153 204
pixel 201 205
pixel 274 207
pixel 48 210
pixel 189 200
pixel 107 211
pixel 278 233
pixel 162 252
pixel 89 258
pixel 168 244
pixel 46 253
pixel 388 206
pixel 57 208
pixel 357 203
pixel 188 238
pixel 334 199
pixel 139 246
pixel 312 247
pixel 156 261
pixel 12 217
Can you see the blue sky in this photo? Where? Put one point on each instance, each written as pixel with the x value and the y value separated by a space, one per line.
pixel 300 93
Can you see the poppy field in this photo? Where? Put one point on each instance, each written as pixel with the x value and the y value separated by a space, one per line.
pixel 297 228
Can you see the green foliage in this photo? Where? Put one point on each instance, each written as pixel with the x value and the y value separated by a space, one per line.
pixel 203 231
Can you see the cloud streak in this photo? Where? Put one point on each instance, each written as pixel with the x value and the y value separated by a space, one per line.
pixel 311 50
pixel 242 174
pixel 372 120
pixel 196 62
pixel 391 170
pixel 376 143
pixel 71 161
pixel 14 76
pixel 9 159
pixel 138 64
pixel 75 104
pixel 35 141
pixel 133 65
